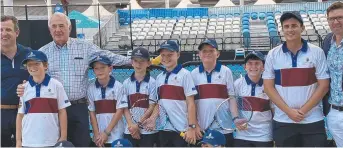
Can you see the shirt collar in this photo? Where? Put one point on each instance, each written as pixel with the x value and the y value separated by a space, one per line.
pixel 65 45
pixel 175 70
pixel 249 82
pixel 45 81
pixel 110 83
pixel 146 77
pixel 303 48
pixel 217 68
pixel 333 40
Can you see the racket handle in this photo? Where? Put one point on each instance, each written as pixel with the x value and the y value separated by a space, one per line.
pixel 182 134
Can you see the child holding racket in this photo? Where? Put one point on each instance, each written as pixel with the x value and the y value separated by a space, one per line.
pixel 259 129
pixel 141 91
pixel 176 90
pixel 214 84
pixel 104 95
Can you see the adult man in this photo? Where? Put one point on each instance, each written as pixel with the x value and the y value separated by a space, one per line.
pixel 296 80
pixel 12 54
pixel 69 64
pixel 333 47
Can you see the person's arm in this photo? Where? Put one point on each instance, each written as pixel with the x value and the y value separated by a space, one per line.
pixel 18 133
pixel 133 128
pixel 117 60
pixel 62 116
pixel 94 123
pixel 322 81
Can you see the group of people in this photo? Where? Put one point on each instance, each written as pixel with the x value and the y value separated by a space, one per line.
pixel 46 96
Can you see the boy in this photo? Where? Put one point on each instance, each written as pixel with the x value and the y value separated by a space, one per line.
pixel 213 138
pixel 259 129
pixel 215 84
pixel 104 97
pixel 139 86
pixel 176 92
pixel 296 79
pixel 42 117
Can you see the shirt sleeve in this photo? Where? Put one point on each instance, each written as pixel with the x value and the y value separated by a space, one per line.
pixel 268 67
pixel 322 71
pixel 152 91
pixel 62 97
pixel 117 60
pixel 229 83
pixel 91 99
pixel 188 85
pixel 122 99
pixel 237 87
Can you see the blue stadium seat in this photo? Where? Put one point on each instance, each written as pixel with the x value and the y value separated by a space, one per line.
pixel 270 22
pixel 254 16
pixel 270 13
pixel 221 16
pixel 278 12
pixel 245 23
pixel 229 15
pixel 262 16
pixel 213 16
pixel 274 37
pixel 270 18
pixel 319 11
pixel 246 38
pixel 245 26
pixel 236 14
pixel 197 17
pixel 302 12
pixel 310 12
pixel 246 15
pixel 245 18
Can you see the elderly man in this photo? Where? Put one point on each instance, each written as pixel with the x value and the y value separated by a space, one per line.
pixel 68 63
pixel 333 47
pixel 12 54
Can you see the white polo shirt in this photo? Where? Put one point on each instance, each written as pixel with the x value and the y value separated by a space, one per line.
pixel 296 78
pixel 104 101
pixel 260 125
pixel 172 89
pixel 40 105
pixel 213 88
pixel 139 90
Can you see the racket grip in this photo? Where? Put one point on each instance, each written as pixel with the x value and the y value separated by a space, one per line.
pixel 182 134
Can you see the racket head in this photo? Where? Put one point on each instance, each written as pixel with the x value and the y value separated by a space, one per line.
pixel 138 109
pixel 223 116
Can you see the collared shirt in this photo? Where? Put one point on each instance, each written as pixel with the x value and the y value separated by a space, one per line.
pixel 260 125
pixel 69 64
pixel 40 105
pixel 172 89
pixel 104 101
pixel 213 88
pixel 13 74
pixel 136 90
pixel 335 65
pixel 296 78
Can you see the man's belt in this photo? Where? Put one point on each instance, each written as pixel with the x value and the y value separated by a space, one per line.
pixel 9 106
pixel 80 101
pixel 339 108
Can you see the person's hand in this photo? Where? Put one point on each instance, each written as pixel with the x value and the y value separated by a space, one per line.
pixel 62 139
pixel 198 132
pixel 149 124
pixel 295 115
pixel 102 139
pixel 241 123
pixel 18 143
pixel 134 131
pixel 20 89
pixel 190 136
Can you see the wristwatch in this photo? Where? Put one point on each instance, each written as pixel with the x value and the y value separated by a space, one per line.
pixel 192 126
pixel 107 133
pixel 233 119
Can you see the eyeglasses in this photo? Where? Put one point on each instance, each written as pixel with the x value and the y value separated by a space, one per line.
pixel 338 18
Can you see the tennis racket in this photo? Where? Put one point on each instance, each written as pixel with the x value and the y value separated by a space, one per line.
pixel 235 107
pixel 141 111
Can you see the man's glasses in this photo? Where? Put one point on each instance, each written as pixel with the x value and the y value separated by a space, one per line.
pixel 332 19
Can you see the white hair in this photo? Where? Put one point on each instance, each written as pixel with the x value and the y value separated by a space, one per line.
pixel 60 15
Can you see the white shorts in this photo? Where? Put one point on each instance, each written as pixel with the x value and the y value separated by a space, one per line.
pixel 335 126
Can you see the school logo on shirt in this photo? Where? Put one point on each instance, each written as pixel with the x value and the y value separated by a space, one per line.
pixel 49 92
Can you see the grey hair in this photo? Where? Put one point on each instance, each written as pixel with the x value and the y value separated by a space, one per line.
pixel 60 15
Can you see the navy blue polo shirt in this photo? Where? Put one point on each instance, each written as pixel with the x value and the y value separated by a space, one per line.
pixel 12 74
